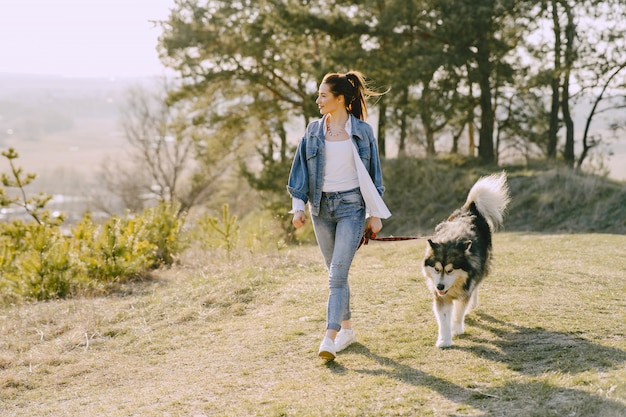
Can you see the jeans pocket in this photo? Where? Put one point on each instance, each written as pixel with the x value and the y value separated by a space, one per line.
pixel 352 198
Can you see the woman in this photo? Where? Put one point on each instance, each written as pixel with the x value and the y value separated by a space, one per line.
pixel 336 170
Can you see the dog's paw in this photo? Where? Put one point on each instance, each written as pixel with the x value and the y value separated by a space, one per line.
pixel 457 329
pixel 443 343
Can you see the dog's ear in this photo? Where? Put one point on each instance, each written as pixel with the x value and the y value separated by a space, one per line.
pixel 432 244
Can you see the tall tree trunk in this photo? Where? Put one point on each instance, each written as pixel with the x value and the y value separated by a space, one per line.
pixel 568 154
pixel 470 122
pixel 427 122
pixel 570 31
pixel 382 127
pixel 471 135
pixel 430 140
pixel 403 123
pixel 455 140
pixel 485 146
pixel 555 84
pixel 283 142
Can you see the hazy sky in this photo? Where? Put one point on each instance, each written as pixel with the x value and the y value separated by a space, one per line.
pixel 81 38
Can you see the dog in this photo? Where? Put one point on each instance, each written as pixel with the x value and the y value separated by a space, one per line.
pixel 459 253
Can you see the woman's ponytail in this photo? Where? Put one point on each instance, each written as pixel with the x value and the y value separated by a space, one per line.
pixel 355 90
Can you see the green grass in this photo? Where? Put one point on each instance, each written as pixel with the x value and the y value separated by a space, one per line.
pixel 215 337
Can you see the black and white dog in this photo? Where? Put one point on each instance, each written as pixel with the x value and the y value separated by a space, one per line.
pixel 458 255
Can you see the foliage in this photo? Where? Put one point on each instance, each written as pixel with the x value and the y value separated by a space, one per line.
pixel 582 60
pixel 34 205
pixel 39 261
pixel 270 182
pixel 226 229
pixel 451 67
pixel 115 250
pixel 176 154
pixel 163 228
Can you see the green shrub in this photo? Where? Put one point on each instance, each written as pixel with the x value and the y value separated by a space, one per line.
pixel 215 233
pixel 113 251
pixel 36 262
pixel 162 227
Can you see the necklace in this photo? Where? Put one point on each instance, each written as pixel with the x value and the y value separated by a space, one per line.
pixel 330 133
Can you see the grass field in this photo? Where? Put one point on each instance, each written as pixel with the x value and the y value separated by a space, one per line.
pixel 239 337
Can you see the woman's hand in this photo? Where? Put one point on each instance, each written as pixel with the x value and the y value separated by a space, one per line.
pixel 374 224
pixel 298 219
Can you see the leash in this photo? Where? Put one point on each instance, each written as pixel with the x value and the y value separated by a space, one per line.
pixel 369 235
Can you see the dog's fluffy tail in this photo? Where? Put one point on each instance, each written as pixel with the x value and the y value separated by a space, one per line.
pixel 490 195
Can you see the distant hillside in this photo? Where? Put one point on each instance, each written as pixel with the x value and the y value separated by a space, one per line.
pixel 32 108
pixel 421 193
pixel 62 125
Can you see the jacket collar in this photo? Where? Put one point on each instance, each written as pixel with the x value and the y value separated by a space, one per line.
pixel 355 125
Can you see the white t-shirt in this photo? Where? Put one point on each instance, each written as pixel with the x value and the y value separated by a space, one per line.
pixel 339 168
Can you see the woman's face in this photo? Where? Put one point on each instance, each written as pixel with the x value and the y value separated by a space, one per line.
pixel 327 102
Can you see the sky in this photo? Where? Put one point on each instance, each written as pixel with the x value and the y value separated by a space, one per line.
pixel 81 38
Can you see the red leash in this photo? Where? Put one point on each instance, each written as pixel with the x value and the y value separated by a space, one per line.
pixel 369 235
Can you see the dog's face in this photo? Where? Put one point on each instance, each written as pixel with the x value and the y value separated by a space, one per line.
pixel 445 267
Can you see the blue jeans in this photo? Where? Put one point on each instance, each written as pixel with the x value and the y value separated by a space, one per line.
pixel 338 229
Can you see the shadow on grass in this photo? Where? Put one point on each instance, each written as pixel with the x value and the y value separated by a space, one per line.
pixel 409 375
pixel 534 351
pixel 509 400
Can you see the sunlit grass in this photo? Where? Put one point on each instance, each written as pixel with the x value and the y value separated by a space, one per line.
pixel 239 337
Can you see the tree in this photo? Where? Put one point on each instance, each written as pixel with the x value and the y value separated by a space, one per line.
pixel 450 65
pixel 173 155
pixel 587 142
pixel 555 81
pixel 597 66
pixel 587 55
pixel 479 36
pixel 256 64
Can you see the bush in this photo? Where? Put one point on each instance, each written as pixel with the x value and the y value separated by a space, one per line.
pixel 163 228
pixel 36 262
pixel 115 250
pixel 214 232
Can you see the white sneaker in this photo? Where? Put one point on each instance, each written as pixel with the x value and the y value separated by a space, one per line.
pixel 344 338
pixel 327 349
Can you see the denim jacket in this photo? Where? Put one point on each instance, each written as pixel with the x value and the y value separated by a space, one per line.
pixel 307 171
